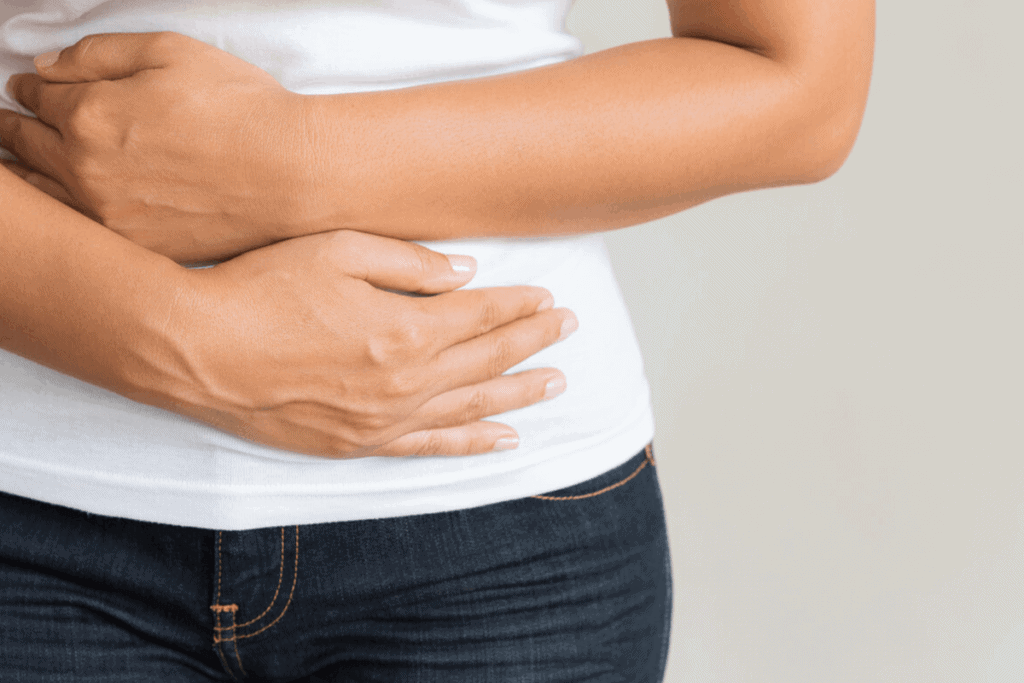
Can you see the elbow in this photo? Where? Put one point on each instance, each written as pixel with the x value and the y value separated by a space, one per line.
pixel 828 130
pixel 808 149
pixel 827 146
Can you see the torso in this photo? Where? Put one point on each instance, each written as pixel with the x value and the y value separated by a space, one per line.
pixel 69 443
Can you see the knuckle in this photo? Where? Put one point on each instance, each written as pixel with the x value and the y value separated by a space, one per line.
pixel 477 405
pixel 488 314
pixel 422 261
pixel 339 448
pixel 379 354
pixel 86 171
pixel 432 443
pixel 375 424
pixel 367 430
pixel 402 346
pixel 401 384
pixel 414 336
pixel 86 118
pixel 501 356
pixel 164 43
pixel 77 51
pixel 363 437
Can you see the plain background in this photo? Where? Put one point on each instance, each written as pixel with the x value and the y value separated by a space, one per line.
pixel 837 378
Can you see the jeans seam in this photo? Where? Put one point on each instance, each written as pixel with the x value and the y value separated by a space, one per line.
pixel 234 645
pixel 295 577
pixel 218 610
pixel 280 580
pixel 648 460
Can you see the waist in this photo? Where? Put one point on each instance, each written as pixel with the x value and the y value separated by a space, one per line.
pixel 70 437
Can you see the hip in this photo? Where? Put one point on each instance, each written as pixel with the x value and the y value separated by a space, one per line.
pixel 570 585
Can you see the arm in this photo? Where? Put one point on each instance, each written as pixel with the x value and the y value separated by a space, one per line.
pixel 748 94
pixel 293 346
pixel 77 297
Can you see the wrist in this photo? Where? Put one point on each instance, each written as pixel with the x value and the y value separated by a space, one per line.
pixel 298 170
pixel 158 366
pixel 331 177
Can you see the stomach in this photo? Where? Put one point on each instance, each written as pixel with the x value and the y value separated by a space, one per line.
pixel 71 443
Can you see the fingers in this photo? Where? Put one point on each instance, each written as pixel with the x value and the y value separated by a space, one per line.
pixel 36 145
pixel 490 355
pixel 42 182
pixel 398 265
pixel 109 56
pixel 460 316
pixel 50 102
pixel 469 404
pixel 471 439
pixel 452 423
pixel 451 420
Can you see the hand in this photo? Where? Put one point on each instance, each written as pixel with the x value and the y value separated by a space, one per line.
pixel 176 145
pixel 296 345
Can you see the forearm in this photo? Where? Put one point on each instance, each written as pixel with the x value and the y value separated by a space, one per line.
pixel 298 346
pixel 604 141
pixel 78 298
pixel 198 155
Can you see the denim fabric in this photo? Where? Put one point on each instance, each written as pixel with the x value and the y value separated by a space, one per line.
pixel 570 586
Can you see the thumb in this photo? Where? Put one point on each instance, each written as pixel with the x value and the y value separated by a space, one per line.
pixel 398 265
pixel 109 56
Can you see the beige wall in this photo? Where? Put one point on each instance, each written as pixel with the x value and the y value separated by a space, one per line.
pixel 837 378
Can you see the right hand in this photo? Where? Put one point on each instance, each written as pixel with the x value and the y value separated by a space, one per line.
pixel 297 345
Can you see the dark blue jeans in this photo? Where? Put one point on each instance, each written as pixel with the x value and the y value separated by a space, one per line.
pixel 570 586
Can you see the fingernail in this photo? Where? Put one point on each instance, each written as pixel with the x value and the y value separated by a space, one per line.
pixel 462 264
pixel 9 86
pixel 547 304
pixel 554 387
pixel 47 59
pixel 506 443
pixel 569 326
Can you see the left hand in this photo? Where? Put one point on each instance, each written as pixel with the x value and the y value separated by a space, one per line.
pixel 178 146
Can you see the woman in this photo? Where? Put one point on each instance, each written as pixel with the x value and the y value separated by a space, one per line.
pixel 265 522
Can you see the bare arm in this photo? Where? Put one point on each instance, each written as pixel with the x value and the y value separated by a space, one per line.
pixel 79 298
pixel 294 345
pixel 747 94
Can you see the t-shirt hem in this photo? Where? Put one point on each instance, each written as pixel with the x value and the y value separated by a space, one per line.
pixel 235 509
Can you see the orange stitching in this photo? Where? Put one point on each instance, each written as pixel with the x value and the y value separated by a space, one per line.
pixel 216 614
pixel 649 450
pixel 295 579
pixel 224 661
pixel 280 579
pixel 605 489
pixel 220 565
pixel 238 655
pixel 218 609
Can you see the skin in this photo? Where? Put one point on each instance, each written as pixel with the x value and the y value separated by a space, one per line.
pixel 747 94
pixel 296 345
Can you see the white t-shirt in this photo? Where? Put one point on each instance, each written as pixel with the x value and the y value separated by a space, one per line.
pixel 69 443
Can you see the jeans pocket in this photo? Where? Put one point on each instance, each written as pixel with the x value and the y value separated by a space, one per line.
pixel 611 480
